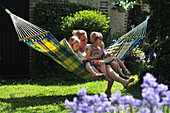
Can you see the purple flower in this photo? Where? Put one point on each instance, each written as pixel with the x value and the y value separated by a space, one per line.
pixel 82 92
pixel 147 92
pixel 155 96
pixel 146 110
pixel 137 56
pixel 144 103
pixel 111 109
pixel 127 99
pixel 148 61
pixel 149 81
pixel 68 104
pixel 143 61
pixel 96 98
pixel 161 88
pixel 154 54
pixel 106 104
pixel 103 97
pixel 88 99
pixel 151 96
pixel 115 97
pixel 141 58
pixel 83 107
pixel 166 99
pixel 100 109
pixel 137 60
pixel 137 103
pixel 157 111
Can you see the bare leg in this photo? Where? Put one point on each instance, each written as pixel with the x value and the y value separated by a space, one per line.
pixel 108 90
pixel 95 69
pixel 93 72
pixel 117 69
pixel 122 65
pixel 103 69
pixel 114 76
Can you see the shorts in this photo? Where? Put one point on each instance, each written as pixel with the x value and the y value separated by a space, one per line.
pixel 106 61
pixel 91 63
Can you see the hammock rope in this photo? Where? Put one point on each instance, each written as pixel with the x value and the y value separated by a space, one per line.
pixel 44 42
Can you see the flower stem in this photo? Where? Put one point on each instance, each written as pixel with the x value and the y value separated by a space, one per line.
pixel 131 108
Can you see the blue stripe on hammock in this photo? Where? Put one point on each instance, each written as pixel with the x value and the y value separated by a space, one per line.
pixel 131 48
pixel 117 42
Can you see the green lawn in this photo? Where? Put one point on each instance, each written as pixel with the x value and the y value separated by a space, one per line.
pixel 47 94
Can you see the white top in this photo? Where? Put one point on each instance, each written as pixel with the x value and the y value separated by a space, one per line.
pixel 82 55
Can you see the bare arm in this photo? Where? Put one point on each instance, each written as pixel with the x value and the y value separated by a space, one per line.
pixel 88 57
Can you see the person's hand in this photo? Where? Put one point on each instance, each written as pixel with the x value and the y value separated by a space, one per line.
pixel 99 55
pixel 103 55
pixel 108 55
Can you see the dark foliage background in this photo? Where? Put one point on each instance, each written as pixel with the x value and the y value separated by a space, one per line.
pixel 157 41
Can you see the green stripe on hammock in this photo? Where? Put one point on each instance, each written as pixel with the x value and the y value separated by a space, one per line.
pixel 51 47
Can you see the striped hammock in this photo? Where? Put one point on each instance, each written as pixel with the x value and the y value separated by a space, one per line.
pixel 44 42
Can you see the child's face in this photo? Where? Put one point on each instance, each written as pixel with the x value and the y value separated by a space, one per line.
pixel 75 46
pixel 99 41
pixel 101 45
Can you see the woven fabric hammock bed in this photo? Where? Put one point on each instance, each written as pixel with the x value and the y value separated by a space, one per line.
pixel 44 42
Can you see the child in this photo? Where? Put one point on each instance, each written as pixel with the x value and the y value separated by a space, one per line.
pixel 94 53
pixel 116 60
pixel 74 43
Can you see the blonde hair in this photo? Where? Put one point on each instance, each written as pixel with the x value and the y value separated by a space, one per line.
pixel 73 40
pixel 94 36
pixel 79 33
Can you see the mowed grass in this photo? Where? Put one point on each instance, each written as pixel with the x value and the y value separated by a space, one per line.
pixel 47 93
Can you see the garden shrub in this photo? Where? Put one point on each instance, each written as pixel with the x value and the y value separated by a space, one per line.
pixel 135 61
pixel 87 20
pixel 49 16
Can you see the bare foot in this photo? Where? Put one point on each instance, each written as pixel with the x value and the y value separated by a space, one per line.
pixel 98 75
pixel 130 80
pixel 127 72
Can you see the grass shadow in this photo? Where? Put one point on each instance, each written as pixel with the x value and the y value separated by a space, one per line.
pixel 134 90
pixel 66 79
pixel 37 101
pixel 33 101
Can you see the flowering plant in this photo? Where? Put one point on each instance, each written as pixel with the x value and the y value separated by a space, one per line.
pixel 156 99
pixel 125 4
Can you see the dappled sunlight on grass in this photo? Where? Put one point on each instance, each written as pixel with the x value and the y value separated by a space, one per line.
pixel 22 96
